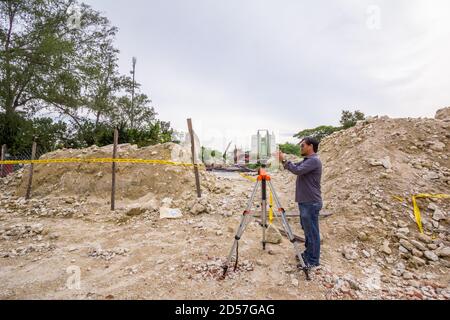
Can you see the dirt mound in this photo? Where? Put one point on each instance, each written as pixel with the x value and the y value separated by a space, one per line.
pixel 133 180
pixel 371 171
pixel 366 166
pixel 443 114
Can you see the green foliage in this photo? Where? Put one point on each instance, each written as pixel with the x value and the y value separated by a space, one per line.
pixel 319 133
pixel 51 135
pixel 349 119
pixel 154 133
pixel 48 134
pixel 134 116
pixel 290 148
pixel 44 61
pixel 254 166
pixel 48 65
pixel 208 154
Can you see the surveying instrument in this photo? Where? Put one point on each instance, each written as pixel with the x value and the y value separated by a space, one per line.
pixel 264 180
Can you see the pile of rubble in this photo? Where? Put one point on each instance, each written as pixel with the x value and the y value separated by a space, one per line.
pixel 375 285
pixel 371 172
pixel 22 231
pixel 133 180
pixel 40 207
pixel 107 254
pixel 67 189
pixel 24 250
pixel 213 269
pixel 29 237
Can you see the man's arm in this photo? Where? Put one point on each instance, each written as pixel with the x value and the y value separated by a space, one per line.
pixel 301 168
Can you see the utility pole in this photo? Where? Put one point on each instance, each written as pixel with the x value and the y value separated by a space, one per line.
pixel 133 72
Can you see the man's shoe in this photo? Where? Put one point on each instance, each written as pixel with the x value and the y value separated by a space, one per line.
pixel 313 267
pixel 303 257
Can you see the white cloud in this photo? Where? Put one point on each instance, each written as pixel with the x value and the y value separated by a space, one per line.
pixel 239 66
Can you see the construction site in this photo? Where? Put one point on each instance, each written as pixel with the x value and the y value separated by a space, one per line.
pixel 384 224
pixel 218 153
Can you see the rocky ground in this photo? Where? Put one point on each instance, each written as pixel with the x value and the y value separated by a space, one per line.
pixel 160 244
pixel 45 243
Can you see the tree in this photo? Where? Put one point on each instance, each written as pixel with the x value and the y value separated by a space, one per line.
pixel 349 119
pixel 319 133
pixel 48 134
pixel 48 64
pixel 141 113
pixel 290 148
pixel 43 60
pixel 101 80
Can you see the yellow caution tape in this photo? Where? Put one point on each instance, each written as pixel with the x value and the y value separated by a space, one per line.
pixel 416 207
pixel 270 208
pixel 436 196
pixel 247 177
pixel 99 160
pixel 399 198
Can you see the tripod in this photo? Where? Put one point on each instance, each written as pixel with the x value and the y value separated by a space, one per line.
pixel 264 180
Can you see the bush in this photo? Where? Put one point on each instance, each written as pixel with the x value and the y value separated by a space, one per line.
pixel 349 119
pixel 18 133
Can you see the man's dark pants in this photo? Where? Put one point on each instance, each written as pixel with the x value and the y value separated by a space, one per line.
pixel 309 220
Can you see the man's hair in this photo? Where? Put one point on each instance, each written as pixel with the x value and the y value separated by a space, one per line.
pixel 311 141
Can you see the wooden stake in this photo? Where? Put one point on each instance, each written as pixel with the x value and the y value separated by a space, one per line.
pixel 3 157
pixel 113 190
pixel 197 177
pixel 30 177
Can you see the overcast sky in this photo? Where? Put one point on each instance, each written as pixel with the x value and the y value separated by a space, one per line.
pixel 236 66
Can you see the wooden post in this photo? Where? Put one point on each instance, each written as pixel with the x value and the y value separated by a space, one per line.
pixel 30 177
pixel 113 190
pixel 3 157
pixel 197 177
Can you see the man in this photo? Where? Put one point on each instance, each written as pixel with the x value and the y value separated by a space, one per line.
pixel 308 196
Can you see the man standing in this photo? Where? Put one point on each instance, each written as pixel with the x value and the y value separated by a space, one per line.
pixel 308 196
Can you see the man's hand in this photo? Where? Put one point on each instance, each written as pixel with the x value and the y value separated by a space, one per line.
pixel 281 156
